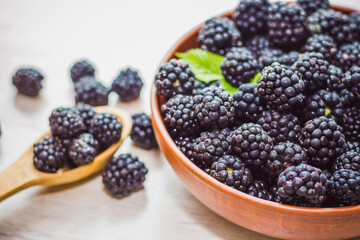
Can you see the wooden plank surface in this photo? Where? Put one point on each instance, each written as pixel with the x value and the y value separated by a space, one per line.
pixel 50 35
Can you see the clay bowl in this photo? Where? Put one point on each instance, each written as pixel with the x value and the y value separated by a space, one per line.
pixel 266 217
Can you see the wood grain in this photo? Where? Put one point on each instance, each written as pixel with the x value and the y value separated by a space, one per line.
pixel 50 35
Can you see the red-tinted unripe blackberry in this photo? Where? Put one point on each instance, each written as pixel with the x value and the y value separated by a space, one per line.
pixel 174 77
pixel 218 35
pixel 28 81
pixel 231 171
pixel 251 143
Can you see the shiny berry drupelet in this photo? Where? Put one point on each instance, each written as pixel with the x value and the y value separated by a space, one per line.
pixel 124 175
pixel 127 85
pixel 81 69
pixel 66 122
pixel 106 128
pixel 142 133
pixel 28 81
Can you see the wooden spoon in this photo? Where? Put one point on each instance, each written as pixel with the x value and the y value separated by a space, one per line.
pixel 22 174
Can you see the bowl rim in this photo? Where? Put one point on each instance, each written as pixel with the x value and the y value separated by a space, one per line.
pixel 199 173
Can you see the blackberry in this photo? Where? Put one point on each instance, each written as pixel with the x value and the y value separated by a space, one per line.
pixel 89 139
pixel 91 92
pixel 185 144
pixel 273 194
pixel 313 70
pixel 351 91
pixel 280 87
pixel 310 6
pixel 211 145
pixel 231 171
pixel 49 155
pixel 86 112
pixel 324 103
pixel 323 140
pixel 286 25
pixel 66 122
pixel 258 44
pixel 106 128
pixel 345 187
pixel 281 127
pixel 260 189
pixel 28 81
pixel 283 156
pixel 303 183
pixel 81 69
pixel 348 160
pixel 250 17
pixel 271 55
pixel 81 153
pixel 218 35
pixel 174 77
pixel 323 44
pixel 353 146
pixel 239 67
pixel 198 86
pixel 142 133
pixel 332 23
pixel 351 123
pixel 251 143
pixel 348 55
pixel 335 82
pixel 355 25
pixel 179 116
pixel 247 103
pixel 124 175
pixel 214 107
pixel 127 85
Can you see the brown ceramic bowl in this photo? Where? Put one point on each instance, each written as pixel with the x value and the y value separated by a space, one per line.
pixel 266 217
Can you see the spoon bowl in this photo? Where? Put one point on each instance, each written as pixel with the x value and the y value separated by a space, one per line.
pixel 22 174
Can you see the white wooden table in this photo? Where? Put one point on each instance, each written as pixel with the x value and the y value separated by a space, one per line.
pixel 50 35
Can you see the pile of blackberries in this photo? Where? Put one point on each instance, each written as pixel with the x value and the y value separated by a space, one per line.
pixel 293 137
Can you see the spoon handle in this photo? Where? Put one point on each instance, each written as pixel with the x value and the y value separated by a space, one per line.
pixel 17 177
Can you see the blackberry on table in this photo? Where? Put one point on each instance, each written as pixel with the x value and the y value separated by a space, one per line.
pixel 260 189
pixel 351 91
pixel 323 44
pixel 303 183
pixel 127 85
pixel 335 82
pixel 28 81
pixel 348 55
pixel 179 116
pixel 91 92
pixel 258 44
pixel 81 69
pixel 239 67
pixel 286 24
pixel 332 23
pixel 81 153
pixel 214 107
pixel 271 55
pixel 323 140
pixel 345 187
pixel 250 17
pixel 348 160
pixel 49 155
pixel 324 103
pixel 66 122
pixel 124 175
pixel 142 133
pixel 211 145
pixel 280 87
pixel 251 143
pixel 313 70
pixel 106 128
pixel 231 171
pixel 247 103
pixel 174 77
pixel 86 112
pixel 311 6
pixel 283 156
pixel 218 35
pixel 351 123
pixel 281 127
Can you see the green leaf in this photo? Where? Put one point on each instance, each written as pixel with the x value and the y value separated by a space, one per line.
pixel 228 87
pixel 256 78
pixel 204 64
